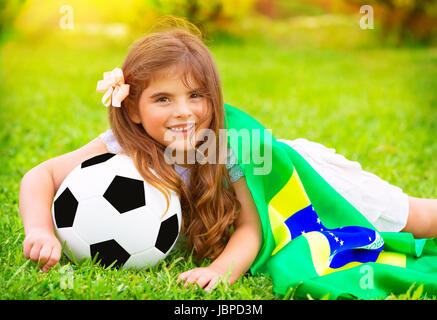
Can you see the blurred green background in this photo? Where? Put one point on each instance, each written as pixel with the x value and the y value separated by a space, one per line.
pixel 303 68
pixel 316 23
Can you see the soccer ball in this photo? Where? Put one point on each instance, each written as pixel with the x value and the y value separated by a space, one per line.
pixel 105 208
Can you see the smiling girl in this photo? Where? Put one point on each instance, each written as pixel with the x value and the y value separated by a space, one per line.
pixel 172 89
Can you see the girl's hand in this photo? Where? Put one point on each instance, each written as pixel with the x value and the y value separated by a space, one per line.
pixel 205 277
pixel 42 246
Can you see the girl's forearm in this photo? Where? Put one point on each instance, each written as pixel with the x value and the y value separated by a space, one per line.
pixel 36 195
pixel 40 184
pixel 239 253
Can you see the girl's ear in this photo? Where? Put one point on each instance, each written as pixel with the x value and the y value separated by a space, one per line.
pixel 133 114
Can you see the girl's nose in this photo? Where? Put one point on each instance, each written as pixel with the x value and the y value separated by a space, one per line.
pixel 182 109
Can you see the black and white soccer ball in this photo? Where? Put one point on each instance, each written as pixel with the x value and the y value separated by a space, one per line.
pixel 105 208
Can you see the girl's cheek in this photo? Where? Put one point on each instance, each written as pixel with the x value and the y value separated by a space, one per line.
pixel 154 120
pixel 202 114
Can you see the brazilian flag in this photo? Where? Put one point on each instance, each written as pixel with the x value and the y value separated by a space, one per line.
pixel 314 241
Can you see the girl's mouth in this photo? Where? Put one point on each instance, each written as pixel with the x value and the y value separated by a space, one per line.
pixel 182 130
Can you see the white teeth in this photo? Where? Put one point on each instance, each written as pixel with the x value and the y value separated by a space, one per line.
pixel 182 129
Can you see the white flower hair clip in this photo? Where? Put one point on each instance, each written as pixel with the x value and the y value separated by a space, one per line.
pixel 116 89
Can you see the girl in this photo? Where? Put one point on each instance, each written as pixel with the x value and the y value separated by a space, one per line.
pixel 169 84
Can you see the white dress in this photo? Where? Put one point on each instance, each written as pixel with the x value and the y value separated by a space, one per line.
pixel 384 205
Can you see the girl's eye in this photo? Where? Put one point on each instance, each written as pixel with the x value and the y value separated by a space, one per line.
pixel 196 95
pixel 162 99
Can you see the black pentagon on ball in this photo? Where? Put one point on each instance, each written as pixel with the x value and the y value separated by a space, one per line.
pixel 168 233
pixel 65 207
pixel 109 251
pixel 125 194
pixel 97 159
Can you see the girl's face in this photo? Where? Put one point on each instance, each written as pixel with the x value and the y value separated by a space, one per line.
pixel 170 112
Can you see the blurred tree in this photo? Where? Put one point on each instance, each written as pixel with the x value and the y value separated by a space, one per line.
pixel 9 10
pixel 267 7
pixel 37 18
pixel 279 9
pixel 213 16
pixel 407 20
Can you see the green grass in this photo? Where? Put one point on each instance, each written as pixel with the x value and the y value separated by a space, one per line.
pixel 375 106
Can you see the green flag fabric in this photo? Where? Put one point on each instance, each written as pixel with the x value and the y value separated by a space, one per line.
pixel 314 241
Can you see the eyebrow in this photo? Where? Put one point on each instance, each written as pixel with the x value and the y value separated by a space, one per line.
pixel 156 94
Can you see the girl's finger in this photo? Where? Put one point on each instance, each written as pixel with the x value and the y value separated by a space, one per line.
pixel 183 278
pixel 191 280
pixel 184 275
pixel 54 258
pixel 44 255
pixel 34 252
pixel 211 284
pixel 26 249
pixel 203 280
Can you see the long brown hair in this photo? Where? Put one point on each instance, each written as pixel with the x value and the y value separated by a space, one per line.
pixel 209 204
